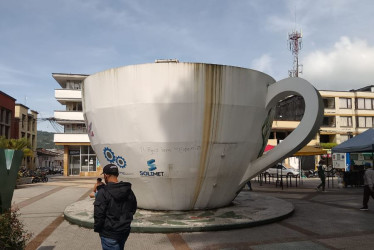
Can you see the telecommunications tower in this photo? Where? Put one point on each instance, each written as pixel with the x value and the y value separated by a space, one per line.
pixel 295 44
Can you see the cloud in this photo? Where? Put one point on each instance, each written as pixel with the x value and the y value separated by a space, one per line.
pixel 263 63
pixel 10 76
pixel 347 65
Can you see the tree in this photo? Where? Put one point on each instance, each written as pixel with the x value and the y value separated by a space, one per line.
pixel 16 144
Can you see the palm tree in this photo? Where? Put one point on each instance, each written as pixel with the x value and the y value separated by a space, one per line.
pixel 16 144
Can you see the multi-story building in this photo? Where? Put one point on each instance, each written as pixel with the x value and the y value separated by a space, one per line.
pixel 7 122
pixel 18 121
pixel 288 114
pixel 26 127
pixel 79 157
pixel 346 113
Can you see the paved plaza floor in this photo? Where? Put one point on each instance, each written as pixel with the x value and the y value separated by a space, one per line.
pixel 321 220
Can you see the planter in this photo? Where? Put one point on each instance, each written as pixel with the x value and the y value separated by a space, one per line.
pixel 10 161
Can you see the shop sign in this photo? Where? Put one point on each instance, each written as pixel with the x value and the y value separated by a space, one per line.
pixel 74 152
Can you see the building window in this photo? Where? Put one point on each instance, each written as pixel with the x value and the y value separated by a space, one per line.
pixel 77 85
pixel 5 122
pixel 328 121
pixel 365 121
pixel 327 138
pixel 74 106
pixel 75 129
pixel 8 117
pixel 329 102
pixel 368 104
pixel 346 121
pixel 29 123
pixel 365 103
pixel 290 109
pixel 88 157
pixel 23 121
pixel 67 128
pixel 73 85
pixel 345 103
pixel 6 132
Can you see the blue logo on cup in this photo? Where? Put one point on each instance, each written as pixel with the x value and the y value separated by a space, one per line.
pixel 151 164
pixel 151 167
pixel 112 158
pixel 120 161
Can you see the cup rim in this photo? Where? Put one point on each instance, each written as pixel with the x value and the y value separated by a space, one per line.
pixel 173 62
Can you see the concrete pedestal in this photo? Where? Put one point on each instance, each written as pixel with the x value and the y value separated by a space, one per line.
pixel 247 210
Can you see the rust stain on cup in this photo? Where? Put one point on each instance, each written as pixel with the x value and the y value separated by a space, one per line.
pixel 212 106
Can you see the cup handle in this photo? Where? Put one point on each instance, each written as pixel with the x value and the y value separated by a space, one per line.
pixel 304 132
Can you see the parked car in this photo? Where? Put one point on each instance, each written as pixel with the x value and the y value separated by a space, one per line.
pixel 280 169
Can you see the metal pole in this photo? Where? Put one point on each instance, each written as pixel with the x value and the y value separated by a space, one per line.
pixel 327 166
pixel 300 173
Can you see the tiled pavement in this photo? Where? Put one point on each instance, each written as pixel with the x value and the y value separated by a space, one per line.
pixel 329 220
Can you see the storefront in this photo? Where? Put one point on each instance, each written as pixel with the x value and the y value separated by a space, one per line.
pixel 82 161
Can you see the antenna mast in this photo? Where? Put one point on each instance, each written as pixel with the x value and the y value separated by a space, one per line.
pixel 295 45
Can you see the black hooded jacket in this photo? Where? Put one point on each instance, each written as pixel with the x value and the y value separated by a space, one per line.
pixel 114 207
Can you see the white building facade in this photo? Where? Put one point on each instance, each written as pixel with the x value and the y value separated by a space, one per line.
pixel 79 157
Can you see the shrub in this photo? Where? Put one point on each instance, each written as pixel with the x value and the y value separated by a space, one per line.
pixel 12 234
pixel 328 145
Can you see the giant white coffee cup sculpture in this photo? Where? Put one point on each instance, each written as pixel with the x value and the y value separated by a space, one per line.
pixel 190 135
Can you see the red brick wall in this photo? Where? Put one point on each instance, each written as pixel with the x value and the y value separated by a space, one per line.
pixel 9 102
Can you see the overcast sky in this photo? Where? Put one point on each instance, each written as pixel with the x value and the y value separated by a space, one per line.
pixel 41 37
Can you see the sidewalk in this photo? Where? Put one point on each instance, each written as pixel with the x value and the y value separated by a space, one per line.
pixel 329 220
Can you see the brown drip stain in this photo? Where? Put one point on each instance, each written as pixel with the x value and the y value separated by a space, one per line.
pixel 213 95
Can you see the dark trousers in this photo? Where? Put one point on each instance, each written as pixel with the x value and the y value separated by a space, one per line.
pixel 367 194
pixel 249 185
pixel 322 184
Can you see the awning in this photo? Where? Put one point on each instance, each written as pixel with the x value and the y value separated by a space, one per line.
pixel 310 150
pixel 363 142
pixel 268 147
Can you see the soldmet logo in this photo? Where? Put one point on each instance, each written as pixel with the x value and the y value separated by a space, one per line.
pixel 151 169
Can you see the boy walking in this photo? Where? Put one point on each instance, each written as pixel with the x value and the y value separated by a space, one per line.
pixel 114 208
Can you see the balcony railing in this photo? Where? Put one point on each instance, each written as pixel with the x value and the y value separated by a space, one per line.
pixel 76 131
